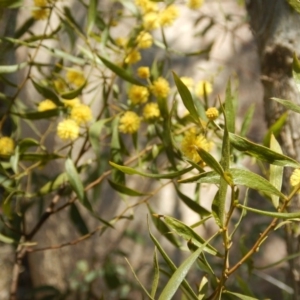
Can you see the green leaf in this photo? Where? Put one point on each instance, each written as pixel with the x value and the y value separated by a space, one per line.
pixel 163 228
pixel 94 135
pixel 92 14
pixel 247 120
pixel 179 275
pixel 285 216
pixel 218 204
pixel 296 66
pixel 189 235
pixel 26 143
pixel 54 184
pixel 77 220
pixel 12 68
pixel 193 205
pixel 240 296
pixel 275 129
pixel 76 183
pixel 38 115
pixel 5 239
pixel 229 109
pixel 124 189
pixel 156 274
pixel 239 177
pixel 120 71
pixel 24 27
pixel 74 93
pixel 288 104
pixel 186 97
pixel 132 171
pixel 276 172
pixel 172 266
pixel 261 152
pixel 137 279
pixel 43 157
pixel 11 3
pixel 46 92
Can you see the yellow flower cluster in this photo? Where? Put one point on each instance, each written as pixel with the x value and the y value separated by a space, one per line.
pixel 144 40
pixel 151 112
pixel 129 122
pixel 160 88
pixel 212 113
pixel 195 4
pixel 168 16
pixel 138 94
pixel 7 146
pixel 133 57
pixel 75 77
pixel 68 130
pixel 203 86
pixel 153 17
pixel 46 105
pixel 81 114
pixel 121 42
pixel 40 11
pixel 143 72
pixel 295 178
pixel 193 141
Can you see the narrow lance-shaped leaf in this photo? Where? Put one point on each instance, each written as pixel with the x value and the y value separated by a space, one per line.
pixel 76 183
pixel 12 68
pixel 156 274
pixel 285 216
pixel 187 288
pixel 38 115
pixel 92 14
pixel 78 221
pixel 74 93
pixel 189 234
pixel 123 189
pixel 247 120
pixel 261 152
pixel 193 205
pixel 229 109
pixel 240 296
pixel 46 92
pixel 186 97
pixel 132 171
pixel 296 62
pixel 276 172
pixel 179 275
pixel 120 71
pixel 163 228
pixel 275 129
pixel 239 177
pixel 288 104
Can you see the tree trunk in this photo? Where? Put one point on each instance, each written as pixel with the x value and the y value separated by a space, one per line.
pixel 275 27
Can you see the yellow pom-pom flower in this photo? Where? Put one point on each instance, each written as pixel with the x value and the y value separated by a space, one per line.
pixel 188 81
pixel 129 122
pixel 40 11
pixel 68 130
pixel 81 114
pixel 195 4
pixel 75 77
pixel 133 57
pixel 146 5
pixel 191 142
pixel 160 88
pixel 144 40
pixel 46 105
pixel 151 111
pixel 143 72
pixel 295 178
pixel 138 94
pixel 151 20
pixel 202 86
pixel 71 103
pixel 7 146
pixel 212 113
pixel 168 16
pixel 121 42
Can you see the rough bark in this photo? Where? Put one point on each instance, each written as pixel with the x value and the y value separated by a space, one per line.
pixel 275 27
